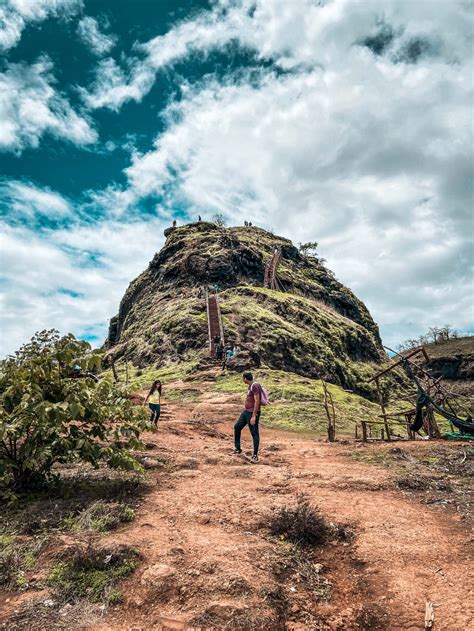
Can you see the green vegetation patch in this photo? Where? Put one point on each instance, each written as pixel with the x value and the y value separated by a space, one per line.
pixel 93 574
pixel 101 516
pixel 55 411
pixel 50 510
pixel 297 403
pixel 16 558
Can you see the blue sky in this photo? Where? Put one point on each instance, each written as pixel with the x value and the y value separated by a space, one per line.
pixel 347 123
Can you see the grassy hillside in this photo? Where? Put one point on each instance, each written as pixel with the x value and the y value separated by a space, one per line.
pixel 296 401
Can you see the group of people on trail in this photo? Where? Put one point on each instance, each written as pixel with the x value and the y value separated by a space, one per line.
pixel 248 224
pixel 224 353
pixel 256 398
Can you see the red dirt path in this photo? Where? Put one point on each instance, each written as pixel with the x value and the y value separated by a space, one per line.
pixel 204 552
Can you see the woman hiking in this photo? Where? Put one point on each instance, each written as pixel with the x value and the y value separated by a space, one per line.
pixel 153 398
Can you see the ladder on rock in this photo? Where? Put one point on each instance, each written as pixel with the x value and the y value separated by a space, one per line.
pixel 270 279
pixel 214 321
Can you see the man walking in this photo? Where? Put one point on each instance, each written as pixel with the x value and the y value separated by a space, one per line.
pixel 250 416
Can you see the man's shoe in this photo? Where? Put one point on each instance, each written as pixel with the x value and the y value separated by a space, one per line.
pixel 237 451
pixel 254 459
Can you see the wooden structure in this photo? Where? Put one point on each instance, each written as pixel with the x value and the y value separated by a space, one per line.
pixel 214 321
pixel 403 418
pixel 270 279
pixel 415 351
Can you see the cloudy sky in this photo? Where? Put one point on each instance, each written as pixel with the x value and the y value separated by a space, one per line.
pixel 339 121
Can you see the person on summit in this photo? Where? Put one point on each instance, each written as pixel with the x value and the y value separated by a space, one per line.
pixel 153 398
pixel 250 415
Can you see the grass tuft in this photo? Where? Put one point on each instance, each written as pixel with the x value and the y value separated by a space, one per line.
pixel 16 558
pixel 301 524
pixel 101 516
pixel 93 574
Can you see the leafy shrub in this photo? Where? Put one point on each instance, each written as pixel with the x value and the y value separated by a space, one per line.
pixel 301 524
pixel 54 410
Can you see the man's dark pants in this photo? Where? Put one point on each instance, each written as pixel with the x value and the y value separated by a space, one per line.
pixel 244 419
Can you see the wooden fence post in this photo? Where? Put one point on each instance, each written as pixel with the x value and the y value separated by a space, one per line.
pixel 364 431
pixel 330 413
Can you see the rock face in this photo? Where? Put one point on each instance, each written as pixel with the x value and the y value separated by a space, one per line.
pixel 453 361
pixel 316 326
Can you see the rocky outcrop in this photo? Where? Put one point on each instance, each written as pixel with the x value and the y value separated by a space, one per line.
pixel 314 326
pixel 452 359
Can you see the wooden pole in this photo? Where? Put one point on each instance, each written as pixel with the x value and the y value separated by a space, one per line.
pixel 382 405
pixel 364 431
pixel 331 417
pixel 397 363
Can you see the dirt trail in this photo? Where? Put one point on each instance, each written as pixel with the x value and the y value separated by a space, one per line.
pixel 207 560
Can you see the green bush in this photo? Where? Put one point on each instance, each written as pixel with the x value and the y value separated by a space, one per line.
pixel 54 410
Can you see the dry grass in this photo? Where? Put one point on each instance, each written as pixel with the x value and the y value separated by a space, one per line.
pixel 301 524
pixel 41 615
pixel 235 619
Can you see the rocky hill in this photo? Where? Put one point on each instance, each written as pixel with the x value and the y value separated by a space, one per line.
pixel 314 327
pixel 453 361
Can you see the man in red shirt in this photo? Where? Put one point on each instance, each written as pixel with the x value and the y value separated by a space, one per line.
pixel 250 415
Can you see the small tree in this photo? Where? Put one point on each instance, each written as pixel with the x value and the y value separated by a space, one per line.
pixel 219 220
pixel 433 334
pixel 54 410
pixel 309 249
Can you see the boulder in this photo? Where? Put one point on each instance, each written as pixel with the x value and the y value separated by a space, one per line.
pixel 245 360
pixel 158 575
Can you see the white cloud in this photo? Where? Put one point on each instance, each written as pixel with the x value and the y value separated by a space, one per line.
pixel 303 34
pixel 368 154
pixel 16 14
pixel 30 107
pixel 23 201
pixel 71 279
pixel 97 42
pixel 364 148
pixel 114 86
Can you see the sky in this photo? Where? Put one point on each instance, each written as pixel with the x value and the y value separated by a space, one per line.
pixel 344 122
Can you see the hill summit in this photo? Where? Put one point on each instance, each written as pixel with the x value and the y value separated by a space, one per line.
pixel 312 325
